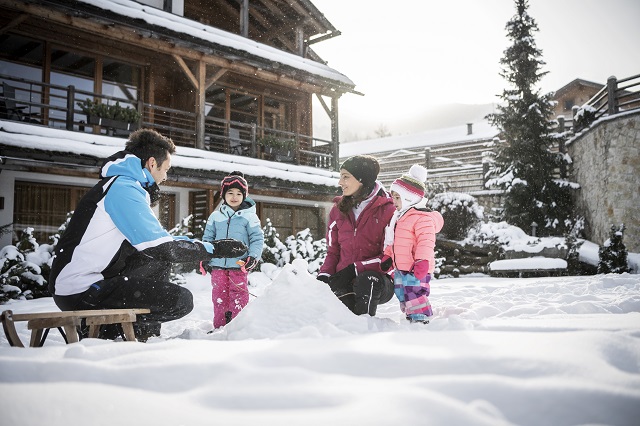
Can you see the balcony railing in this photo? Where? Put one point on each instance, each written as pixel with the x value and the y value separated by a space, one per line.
pixel 57 107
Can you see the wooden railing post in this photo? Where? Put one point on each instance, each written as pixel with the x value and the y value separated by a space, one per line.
pixel 427 158
pixel 612 99
pixel 254 151
pixel 335 134
pixel 71 100
pixel 574 111
pixel 141 111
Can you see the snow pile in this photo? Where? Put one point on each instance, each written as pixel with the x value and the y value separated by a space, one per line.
pixel 497 352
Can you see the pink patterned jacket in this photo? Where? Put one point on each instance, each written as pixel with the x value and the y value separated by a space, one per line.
pixel 415 238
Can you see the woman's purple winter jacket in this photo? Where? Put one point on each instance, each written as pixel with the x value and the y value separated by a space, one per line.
pixel 350 241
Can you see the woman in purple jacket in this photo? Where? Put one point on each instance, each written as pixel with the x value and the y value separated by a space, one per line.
pixel 355 267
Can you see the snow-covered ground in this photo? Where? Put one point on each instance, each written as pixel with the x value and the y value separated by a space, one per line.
pixel 535 351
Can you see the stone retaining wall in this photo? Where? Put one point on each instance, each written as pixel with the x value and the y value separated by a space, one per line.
pixel 606 163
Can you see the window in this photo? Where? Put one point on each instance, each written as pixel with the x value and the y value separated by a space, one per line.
pixel 43 207
pixel 121 80
pixel 167 208
pixel 69 69
pixel 568 104
pixel 289 220
pixel 277 115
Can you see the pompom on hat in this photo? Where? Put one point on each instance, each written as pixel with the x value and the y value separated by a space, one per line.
pixel 411 186
pixel 365 168
pixel 234 180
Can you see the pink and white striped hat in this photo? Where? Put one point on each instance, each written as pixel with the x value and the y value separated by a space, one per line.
pixel 411 186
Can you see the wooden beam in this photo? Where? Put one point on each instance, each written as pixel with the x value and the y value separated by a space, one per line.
pixel 14 23
pixel 215 78
pixel 186 70
pixel 200 100
pixel 324 105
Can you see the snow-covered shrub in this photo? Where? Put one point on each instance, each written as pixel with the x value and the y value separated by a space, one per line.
pixel 24 268
pixel 189 227
pixel 300 246
pixel 461 212
pixel 585 115
pixel 613 254
pixel 573 247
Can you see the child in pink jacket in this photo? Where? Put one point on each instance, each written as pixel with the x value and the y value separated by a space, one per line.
pixel 410 240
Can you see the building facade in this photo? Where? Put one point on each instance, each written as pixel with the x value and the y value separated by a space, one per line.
pixel 230 79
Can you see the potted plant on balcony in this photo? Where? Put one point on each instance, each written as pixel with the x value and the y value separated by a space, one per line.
pixel 278 149
pixel 110 116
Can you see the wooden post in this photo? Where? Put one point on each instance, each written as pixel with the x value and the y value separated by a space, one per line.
pixel 300 41
pixel 427 157
pixel 574 111
pixel 200 107
pixel 71 100
pixel 335 136
pixel 244 18
pixel 612 99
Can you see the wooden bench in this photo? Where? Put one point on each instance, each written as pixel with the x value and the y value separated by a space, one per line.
pixel 69 321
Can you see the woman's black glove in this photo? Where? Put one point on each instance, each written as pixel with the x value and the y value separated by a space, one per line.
pixel 345 274
pixel 324 278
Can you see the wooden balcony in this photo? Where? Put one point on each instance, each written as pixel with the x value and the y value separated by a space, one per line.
pixel 57 107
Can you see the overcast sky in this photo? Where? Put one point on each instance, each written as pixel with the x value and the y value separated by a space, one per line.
pixel 409 56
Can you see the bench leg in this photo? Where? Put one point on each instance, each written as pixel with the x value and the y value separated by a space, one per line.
pixel 71 332
pixel 36 338
pixel 129 334
pixel 94 331
pixel 10 329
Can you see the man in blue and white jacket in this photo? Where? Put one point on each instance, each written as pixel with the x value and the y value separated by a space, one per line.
pixel 115 254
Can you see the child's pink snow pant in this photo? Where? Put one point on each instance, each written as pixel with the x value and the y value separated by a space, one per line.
pixel 229 293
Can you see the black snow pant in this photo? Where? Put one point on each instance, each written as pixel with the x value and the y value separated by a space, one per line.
pixel 363 294
pixel 144 283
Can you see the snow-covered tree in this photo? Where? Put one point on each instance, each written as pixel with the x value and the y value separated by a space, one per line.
pixel 24 268
pixel 613 254
pixel 525 165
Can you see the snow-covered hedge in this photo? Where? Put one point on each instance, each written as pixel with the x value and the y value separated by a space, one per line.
pixel 461 212
pixel 24 268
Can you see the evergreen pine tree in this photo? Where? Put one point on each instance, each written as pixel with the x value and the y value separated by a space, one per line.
pixel 524 164
pixel 20 269
pixel 613 254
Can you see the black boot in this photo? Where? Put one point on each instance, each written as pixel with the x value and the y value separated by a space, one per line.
pixel 227 316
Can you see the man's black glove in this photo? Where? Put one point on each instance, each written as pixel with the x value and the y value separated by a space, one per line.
pixel 228 248
pixel 345 274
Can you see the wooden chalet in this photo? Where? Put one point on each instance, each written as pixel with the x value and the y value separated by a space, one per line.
pixel 228 77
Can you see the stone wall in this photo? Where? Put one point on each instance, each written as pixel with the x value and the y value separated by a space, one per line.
pixel 606 163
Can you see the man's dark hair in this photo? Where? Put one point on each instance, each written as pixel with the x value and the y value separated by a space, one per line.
pixel 147 143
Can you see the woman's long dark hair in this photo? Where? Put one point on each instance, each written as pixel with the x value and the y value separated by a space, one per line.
pixel 347 202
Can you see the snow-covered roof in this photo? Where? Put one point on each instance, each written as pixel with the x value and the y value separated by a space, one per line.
pixel 34 137
pixel 217 36
pixel 481 131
